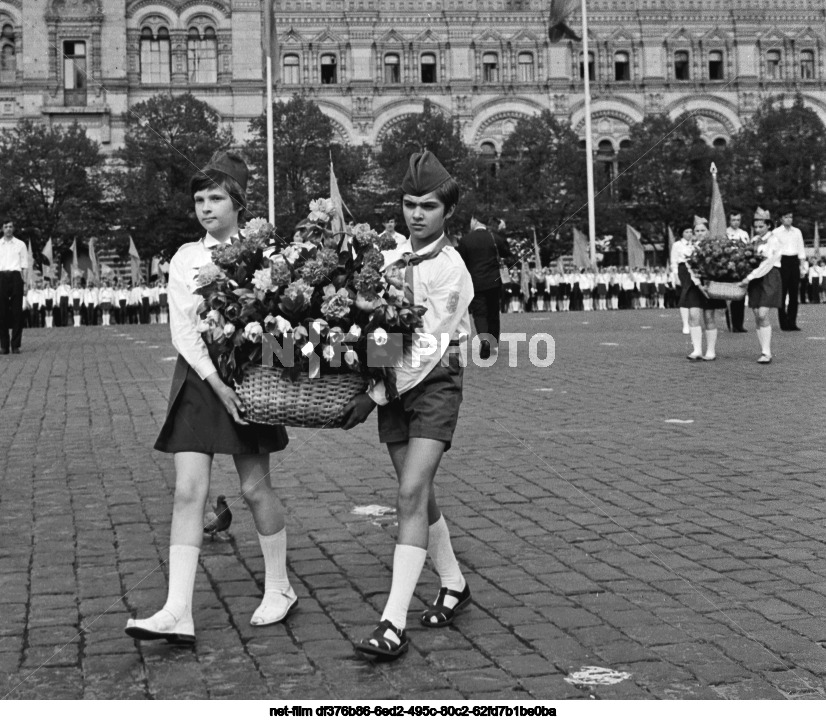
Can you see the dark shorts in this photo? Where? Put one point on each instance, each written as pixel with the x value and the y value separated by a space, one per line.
pixel 430 410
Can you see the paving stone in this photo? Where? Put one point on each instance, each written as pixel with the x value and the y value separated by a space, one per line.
pixel 591 531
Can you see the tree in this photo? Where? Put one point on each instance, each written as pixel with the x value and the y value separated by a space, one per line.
pixel 168 139
pixel 51 183
pixel 304 139
pixel 778 160
pixel 542 178
pixel 667 178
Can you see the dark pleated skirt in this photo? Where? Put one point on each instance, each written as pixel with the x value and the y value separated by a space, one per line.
pixel 691 296
pixel 197 422
pixel 766 292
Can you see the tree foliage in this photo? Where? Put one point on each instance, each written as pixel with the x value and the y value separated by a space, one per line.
pixel 303 139
pixel 543 179
pixel 51 183
pixel 778 161
pixel 666 179
pixel 168 139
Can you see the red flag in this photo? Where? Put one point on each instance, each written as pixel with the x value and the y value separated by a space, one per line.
pixel 134 262
pixel 335 196
pixel 636 253
pixel 580 253
pixel 717 215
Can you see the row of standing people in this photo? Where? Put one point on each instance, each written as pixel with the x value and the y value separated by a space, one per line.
pixel 48 304
pixel 611 288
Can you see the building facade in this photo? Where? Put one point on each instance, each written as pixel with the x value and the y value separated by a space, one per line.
pixel 370 63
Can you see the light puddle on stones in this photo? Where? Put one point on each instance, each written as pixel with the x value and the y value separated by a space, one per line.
pixel 377 515
pixel 609 343
pixel 596 676
pixel 170 358
pixel 678 420
pixel 543 390
pixel 816 337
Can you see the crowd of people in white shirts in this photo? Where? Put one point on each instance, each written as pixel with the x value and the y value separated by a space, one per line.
pixel 610 288
pixel 48 304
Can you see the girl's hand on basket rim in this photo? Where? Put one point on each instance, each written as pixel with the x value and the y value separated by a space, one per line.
pixel 743 283
pixel 229 398
pixel 358 408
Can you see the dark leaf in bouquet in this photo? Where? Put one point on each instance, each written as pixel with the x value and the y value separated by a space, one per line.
pixel 255 354
pixel 218 301
pixel 232 312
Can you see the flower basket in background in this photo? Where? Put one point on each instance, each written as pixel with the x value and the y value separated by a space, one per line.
pixel 721 263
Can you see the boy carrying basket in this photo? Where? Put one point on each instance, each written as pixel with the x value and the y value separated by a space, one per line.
pixel 418 426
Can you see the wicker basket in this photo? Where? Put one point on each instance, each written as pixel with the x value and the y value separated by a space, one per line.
pixel 725 291
pixel 272 398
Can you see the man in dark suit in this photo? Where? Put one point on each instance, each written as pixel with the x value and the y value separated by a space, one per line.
pixel 482 251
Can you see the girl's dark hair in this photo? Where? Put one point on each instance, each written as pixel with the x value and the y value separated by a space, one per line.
pixel 203 181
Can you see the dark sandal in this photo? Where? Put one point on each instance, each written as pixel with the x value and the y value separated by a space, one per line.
pixel 438 615
pixel 379 646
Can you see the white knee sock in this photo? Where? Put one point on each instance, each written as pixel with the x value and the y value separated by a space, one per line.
pixel 711 343
pixel 764 337
pixel 696 339
pixel 440 550
pixel 274 548
pixel 183 564
pixel 408 562
pixel 684 315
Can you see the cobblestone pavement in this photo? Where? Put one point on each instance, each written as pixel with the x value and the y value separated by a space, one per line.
pixel 623 508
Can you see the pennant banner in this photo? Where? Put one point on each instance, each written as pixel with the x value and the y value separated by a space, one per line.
pixel 134 262
pixel 93 259
pixel 47 258
pixel 717 215
pixel 580 253
pixel 636 253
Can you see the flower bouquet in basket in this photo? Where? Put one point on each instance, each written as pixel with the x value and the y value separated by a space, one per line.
pixel 721 263
pixel 290 322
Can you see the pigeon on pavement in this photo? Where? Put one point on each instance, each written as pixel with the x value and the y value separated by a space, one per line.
pixel 218 521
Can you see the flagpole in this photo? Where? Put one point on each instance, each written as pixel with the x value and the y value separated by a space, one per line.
pixel 268 9
pixel 589 142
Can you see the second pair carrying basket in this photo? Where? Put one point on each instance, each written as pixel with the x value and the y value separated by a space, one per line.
pixel 725 291
pixel 272 398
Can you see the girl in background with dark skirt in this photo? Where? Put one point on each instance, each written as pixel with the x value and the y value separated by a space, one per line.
pixel 700 306
pixel 764 283
pixel 205 417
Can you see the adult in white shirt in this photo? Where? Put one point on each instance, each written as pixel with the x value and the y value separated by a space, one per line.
pixel 764 283
pixel 14 259
pixel 792 257
pixel 737 308
pixel 680 251
pixel 205 417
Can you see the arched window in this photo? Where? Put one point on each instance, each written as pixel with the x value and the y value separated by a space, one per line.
pixel 719 143
pixel 681 65
pixel 490 67
pixel 622 67
pixel 774 70
pixel 428 67
pixel 606 163
pixel 202 55
pixel 74 72
pixel 156 56
pixel 807 64
pixel 329 69
pixel 526 67
pixel 392 69
pixel 8 55
pixel 487 152
pixel 591 69
pixel 715 65
pixel 290 70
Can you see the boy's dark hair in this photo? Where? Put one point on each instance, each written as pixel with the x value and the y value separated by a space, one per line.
pixel 448 193
pixel 203 181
